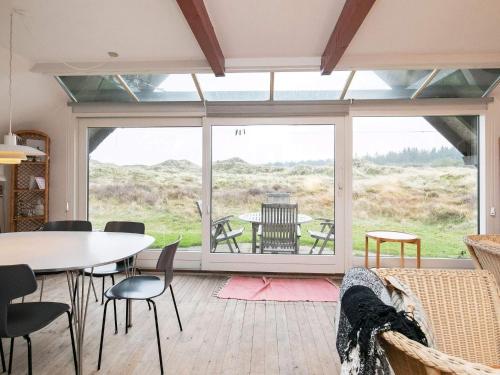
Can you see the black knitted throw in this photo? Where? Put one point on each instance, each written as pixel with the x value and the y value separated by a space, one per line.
pixel 368 316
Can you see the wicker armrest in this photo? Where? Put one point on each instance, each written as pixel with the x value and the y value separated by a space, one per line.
pixel 407 356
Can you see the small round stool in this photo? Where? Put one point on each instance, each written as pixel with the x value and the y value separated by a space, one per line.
pixel 391 236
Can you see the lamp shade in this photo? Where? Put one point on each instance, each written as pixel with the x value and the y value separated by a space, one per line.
pixel 10 146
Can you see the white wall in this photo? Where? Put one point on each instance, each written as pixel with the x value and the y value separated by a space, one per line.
pixel 40 104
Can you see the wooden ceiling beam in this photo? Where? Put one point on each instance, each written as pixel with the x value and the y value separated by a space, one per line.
pixel 351 18
pixel 197 17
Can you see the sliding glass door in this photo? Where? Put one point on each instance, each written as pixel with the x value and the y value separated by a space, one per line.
pixel 276 195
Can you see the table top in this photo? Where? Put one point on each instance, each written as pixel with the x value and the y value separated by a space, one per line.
pixel 388 235
pixel 64 251
pixel 254 217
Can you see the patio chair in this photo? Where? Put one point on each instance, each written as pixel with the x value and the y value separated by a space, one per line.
pixel 279 230
pixel 484 250
pixel 222 231
pixel 278 197
pixel 326 233
pixel 463 307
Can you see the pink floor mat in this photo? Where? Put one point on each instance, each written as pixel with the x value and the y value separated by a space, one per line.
pixel 276 289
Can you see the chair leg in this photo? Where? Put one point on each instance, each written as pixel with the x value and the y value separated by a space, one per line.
pixel 126 316
pixel 236 244
pixel 313 246
pixel 102 334
pixel 41 288
pixel 93 289
pixel 116 319
pixel 10 354
pixel 102 294
pixel 149 305
pixel 323 247
pixel 2 357
pixel 157 335
pixel 28 341
pixel 72 341
pixel 175 305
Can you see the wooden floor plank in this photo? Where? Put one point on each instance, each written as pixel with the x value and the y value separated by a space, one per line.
pixel 220 336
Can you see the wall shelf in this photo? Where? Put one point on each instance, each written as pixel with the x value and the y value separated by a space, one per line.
pixel 25 199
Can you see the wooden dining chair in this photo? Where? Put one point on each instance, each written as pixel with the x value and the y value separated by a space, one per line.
pixel 23 319
pixel 145 288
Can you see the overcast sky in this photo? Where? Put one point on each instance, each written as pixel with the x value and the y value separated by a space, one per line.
pixel 265 144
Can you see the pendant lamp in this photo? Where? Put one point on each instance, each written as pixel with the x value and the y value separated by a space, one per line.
pixel 10 151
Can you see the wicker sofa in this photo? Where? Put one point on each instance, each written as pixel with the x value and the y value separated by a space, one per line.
pixel 464 309
pixel 484 250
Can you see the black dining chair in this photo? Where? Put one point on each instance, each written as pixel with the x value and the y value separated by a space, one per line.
pixel 125 265
pixel 22 319
pixel 62 226
pixel 145 288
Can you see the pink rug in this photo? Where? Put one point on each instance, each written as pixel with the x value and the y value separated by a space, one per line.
pixel 275 289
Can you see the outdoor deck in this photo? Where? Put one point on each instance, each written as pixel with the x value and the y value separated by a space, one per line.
pixel 246 248
pixel 219 337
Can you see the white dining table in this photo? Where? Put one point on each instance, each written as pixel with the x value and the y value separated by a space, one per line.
pixel 71 252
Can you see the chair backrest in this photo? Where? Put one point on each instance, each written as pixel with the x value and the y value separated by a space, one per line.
pixel 463 307
pixel 279 227
pixel 125 227
pixel 275 197
pixel 199 205
pixel 166 261
pixel 15 281
pixel 68 225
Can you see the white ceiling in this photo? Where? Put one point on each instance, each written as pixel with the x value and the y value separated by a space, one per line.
pixel 395 31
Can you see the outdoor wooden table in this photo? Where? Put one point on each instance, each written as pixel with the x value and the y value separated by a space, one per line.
pixel 71 252
pixel 391 236
pixel 254 218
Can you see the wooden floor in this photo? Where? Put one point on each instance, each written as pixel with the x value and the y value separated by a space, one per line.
pixel 220 336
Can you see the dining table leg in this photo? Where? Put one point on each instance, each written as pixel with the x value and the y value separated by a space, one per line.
pixel 80 289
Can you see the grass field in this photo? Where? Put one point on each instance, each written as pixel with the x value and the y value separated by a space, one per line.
pixel 437 203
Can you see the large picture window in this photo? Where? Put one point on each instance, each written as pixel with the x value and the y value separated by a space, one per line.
pixel 150 175
pixel 418 175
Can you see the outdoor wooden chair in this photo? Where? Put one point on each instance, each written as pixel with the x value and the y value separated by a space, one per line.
pixel 275 197
pixel 326 234
pixel 222 231
pixel 279 230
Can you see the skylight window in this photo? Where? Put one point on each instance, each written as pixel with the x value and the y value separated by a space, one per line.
pixel 309 85
pixel 96 88
pixel 461 83
pixel 162 87
pixel 386 84
pixel 235 86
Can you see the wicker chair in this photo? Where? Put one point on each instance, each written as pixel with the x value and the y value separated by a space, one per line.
pixel 464 309
pixel 484 250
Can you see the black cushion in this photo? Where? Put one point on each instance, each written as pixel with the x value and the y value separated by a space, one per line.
pixel 25 318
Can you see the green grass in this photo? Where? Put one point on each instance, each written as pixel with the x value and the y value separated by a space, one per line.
pixel 439 204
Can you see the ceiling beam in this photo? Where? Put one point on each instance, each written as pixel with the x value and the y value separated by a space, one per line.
pixel 197 17
pixel 351 18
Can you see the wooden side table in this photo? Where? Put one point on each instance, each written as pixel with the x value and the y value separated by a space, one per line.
pixel 390 236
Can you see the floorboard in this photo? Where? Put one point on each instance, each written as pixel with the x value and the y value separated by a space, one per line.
pixel 220 336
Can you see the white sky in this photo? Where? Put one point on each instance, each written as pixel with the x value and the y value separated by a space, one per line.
pixel 264 144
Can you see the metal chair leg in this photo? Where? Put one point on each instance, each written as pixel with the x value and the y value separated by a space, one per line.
pixel 149 305
pixel 72 341
pixel 41 288
pixel 175 305
pixel 102 294
pixel 10 354
pixel 93 289
pixel 126 316
pixel 157 335
pixel 28 341
pixel 102 335
pixel 116 319
pixel 2 357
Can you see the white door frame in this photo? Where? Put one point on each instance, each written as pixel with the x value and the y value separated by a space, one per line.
pixel 280 262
